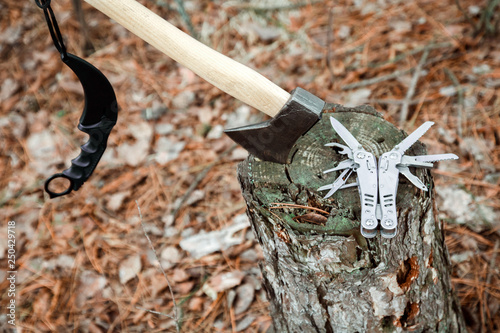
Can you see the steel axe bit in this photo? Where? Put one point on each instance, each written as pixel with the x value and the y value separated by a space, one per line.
pixel 271 140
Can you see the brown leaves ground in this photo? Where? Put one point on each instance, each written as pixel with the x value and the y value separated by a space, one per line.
pixel 168 153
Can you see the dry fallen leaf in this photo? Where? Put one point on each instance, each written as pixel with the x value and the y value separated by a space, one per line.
pixel 183 288
pixel 244 297
pixel 312 218
pixel 90 285
pixel 170 256
pixel 226 281
pixel 158 158
pixel 180 275
pixel 43 150
pixel 202 244
pixel 129 268
pixel 196 304
pixel 244 323
pixel 222 282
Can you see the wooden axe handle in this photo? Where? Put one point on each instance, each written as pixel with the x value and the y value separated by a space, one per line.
pixel 228 75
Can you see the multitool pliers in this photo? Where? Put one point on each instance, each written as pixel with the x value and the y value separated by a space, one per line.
pixel 378 186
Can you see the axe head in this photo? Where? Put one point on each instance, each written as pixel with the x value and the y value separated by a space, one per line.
pixel 273 140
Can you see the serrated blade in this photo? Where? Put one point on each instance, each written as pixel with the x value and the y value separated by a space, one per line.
pixel 435 157
pixel 411 161
pixel 345 134
pixel 413 137
pixel 412 178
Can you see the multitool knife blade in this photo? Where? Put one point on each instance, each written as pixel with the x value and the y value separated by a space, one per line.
pixel 413 137
pixel 345 134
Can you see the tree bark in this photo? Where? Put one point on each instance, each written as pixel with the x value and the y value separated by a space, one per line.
pixel 320 274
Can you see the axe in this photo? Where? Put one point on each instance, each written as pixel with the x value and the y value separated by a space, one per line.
pixel 293 114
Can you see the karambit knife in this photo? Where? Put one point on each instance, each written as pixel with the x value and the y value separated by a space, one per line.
pixel 98 117
pixel 378 186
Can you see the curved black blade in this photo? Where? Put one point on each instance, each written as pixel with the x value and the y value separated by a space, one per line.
pixel 100 99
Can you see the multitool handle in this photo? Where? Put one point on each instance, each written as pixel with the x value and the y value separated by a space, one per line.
pixel 226 74
pixel 367 181
pixel 388 178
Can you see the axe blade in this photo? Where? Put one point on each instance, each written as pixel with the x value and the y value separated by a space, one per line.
pixel 272 140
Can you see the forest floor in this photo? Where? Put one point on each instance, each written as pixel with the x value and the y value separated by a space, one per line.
pixel 85 262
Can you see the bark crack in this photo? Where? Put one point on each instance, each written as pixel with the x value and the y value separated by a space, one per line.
pixel 324 304
pixel 408 272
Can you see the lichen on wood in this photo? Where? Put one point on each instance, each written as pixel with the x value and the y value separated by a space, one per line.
pixel 324 276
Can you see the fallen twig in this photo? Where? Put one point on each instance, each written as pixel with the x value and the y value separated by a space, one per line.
pixel 252 6
pixel 411 89
pixel 185 17
pixel 329 35
pixel 460 93
pixel 155 312
pixel 398 101
pixel 491 266
pixel 487 15
pixel 176 317
pixel 352 47
pixel 466 15
pixel 287 205
pixel 198 180
pixel 84 28
pixel 437 25
pixel 402 56
pixel 377 79
pixel 466 179
pixel 182 12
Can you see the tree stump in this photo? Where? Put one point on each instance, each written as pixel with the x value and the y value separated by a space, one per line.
pixel 319 273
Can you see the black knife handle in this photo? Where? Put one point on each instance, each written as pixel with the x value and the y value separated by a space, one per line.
pixel 91 152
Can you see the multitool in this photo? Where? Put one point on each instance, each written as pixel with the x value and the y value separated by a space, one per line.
pixel 378 186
